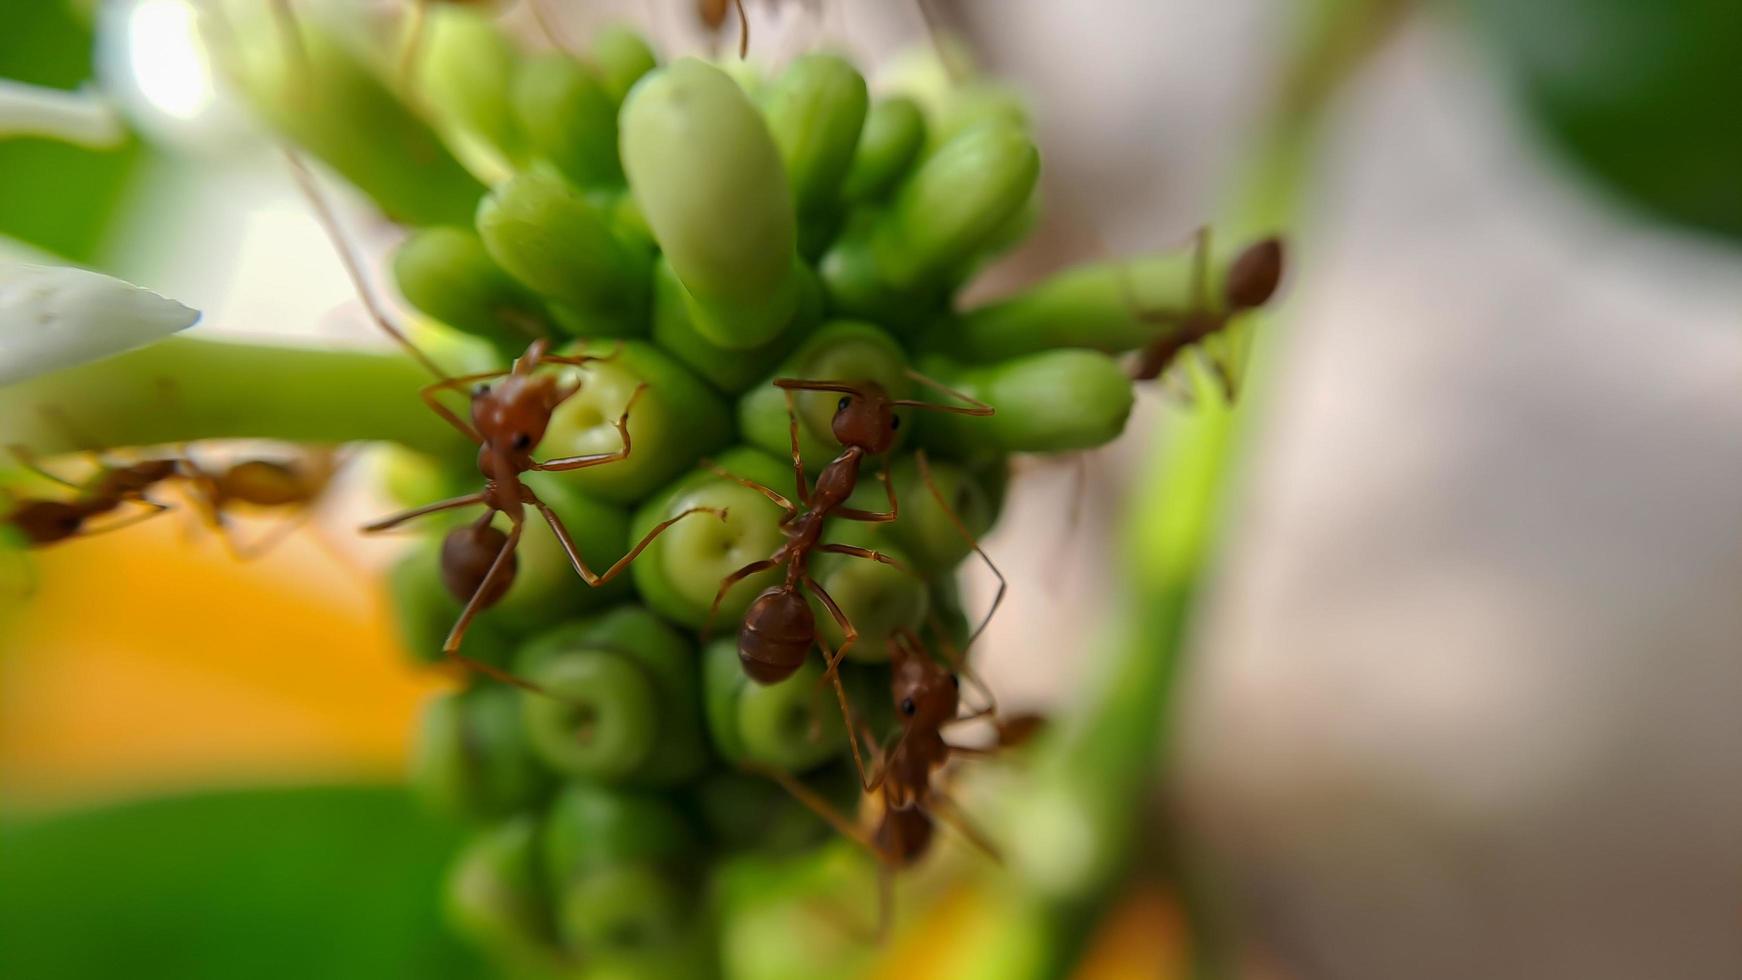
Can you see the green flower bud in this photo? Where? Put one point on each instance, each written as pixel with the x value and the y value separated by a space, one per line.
pixel 680 572
pixel 446 273
pixel 842 350
pixel 641 714
pixel 601 717
pixel 815 111
pixel 551 239
pixel 730 371
pixel 319 95
pixel 570 119
pixel 745 812
pixel 675 419
pixel 471 759
pixel 424 612
pixel 794 725
pixel 947 213
pixel 1055 401
pixel 622 56
pixel 706 173
pixel 876 598
pixel 627 910
pixel 963 107
pixel 894 133
pixel 1106 306
pixel 465 73
pixel 590 828
pixel 495 895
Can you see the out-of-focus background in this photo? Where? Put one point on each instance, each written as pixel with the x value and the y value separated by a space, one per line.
pixel 1464 701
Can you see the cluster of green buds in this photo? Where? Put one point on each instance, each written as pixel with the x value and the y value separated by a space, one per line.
pixel 717 228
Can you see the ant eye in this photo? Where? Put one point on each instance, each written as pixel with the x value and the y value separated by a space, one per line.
pixel 908 707
pixel 894 422
pixel 841 406
pixel 522 441
pixel 955 682
pixel 480 391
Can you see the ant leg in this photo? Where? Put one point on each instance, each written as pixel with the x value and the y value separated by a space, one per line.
pixel 849 633
pixel 329 221
pixel 773 495
pixel 970 405
pixel 598 459
pixel 867 553
pixel 154 509
pixel 871 516
pixel 849 720
pixel 547 26
pixel 416 26
pixel 451 648
pixel 28 460
pixel 804 492
pixel 844 825
pixel 940 807
pixel 268 541
pixel 962 529
pixel 403 516
pixel 568 542
pixel 743 30
pixel 952 69
pixel 726 585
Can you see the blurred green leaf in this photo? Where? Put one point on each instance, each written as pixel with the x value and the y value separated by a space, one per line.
pixel 263 884
pixel 55 196
pixel 1641 93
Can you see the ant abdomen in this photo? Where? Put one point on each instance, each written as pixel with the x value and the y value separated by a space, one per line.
pixel 1254 275
pixel 265 483
pixel 48 521
pixel 904 835
pixel 779 630
pixel 467 554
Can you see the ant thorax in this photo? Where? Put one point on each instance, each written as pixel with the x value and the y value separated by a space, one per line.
pixel 837 480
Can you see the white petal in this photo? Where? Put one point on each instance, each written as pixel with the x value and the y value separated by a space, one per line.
pixel 55 317
pixel 82 117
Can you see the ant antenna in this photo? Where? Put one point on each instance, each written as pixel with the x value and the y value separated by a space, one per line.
pixel 329 221
pixel 971 406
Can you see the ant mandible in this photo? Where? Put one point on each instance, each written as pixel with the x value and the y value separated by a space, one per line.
pixel 779 628
pixel 1252 280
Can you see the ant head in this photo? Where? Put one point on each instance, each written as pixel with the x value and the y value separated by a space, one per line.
pixel 1254 275
pixel 926 695
pixel 866 418
pixel 512 414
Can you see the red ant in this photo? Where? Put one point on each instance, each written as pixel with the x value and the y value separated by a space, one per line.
pixel 508 420
pixel 44 521
pixel 258 482
pixel 779 628
pixel 928 699
pixel 713 15
pixel 1252 280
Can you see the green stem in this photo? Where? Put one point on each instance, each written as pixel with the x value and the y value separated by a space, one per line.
pixel 184 390
pixel 1079 822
